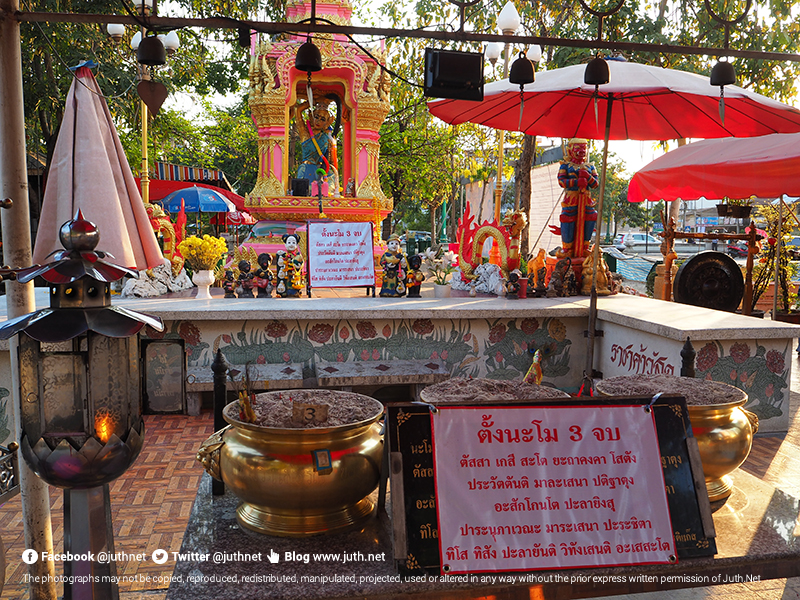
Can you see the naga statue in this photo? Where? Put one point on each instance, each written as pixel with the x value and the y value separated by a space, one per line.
pixel 472 236
pixel 161 224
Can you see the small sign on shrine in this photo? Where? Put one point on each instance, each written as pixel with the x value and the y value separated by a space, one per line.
pixel 340 254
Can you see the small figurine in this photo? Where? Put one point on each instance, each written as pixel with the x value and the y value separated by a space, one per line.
pixel 350 190
pixel 587 275
pixel 541 287
pixel 570 283
pixel 512 285
pixel 262 278
pixel 415 277
pixel 556 287
pixel 244 284
pixel 394 266
pixel 290 268
pixel 229 284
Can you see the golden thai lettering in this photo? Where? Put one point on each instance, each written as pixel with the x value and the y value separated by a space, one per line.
pixel 689 536
pixel 422 448
pixel 671 460
pixel 422 472
pixel 427 531
pixel 423 503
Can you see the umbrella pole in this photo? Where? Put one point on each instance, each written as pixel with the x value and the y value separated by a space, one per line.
pixel 589 370
pixel 778 243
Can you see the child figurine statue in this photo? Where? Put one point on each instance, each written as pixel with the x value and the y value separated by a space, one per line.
pixel 229 284
pixel 290 268
pixel 415 277
pixel 394 266
pixel 263 276
pixel 244 284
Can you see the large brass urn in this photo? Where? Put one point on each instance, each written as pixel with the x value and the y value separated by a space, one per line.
pixel 298 482
pixel 723 428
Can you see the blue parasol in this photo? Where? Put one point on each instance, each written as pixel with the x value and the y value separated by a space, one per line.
pixel 196 199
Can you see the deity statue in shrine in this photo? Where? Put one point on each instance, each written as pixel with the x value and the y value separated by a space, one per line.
pixel 318 156
pixel 578 214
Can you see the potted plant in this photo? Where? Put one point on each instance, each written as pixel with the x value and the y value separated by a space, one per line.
pixel 737 208
pixel 438 265
pixel 202 256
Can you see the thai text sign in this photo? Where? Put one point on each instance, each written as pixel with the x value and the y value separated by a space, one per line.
pixel 340 254
pixel 549 487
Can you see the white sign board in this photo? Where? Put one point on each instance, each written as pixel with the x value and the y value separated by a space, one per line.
pixel 340 254
pixel 528 488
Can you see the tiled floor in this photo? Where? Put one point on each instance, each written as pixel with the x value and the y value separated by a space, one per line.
pixel 152 500
pixel 150 504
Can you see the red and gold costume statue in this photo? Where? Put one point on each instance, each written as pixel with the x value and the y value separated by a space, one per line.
pixel 578 215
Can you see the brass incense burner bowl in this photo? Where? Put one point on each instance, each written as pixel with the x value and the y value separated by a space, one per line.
pixel 724 429
pixel 297 482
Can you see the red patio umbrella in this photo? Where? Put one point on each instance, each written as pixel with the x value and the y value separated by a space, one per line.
pixel 766 166
pixel 639 102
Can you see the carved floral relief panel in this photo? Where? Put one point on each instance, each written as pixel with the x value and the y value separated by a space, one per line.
pixel 495 348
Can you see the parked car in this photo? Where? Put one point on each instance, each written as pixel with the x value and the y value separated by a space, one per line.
pixel 627 240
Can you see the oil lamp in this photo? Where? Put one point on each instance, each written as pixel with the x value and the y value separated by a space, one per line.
pixel 80 393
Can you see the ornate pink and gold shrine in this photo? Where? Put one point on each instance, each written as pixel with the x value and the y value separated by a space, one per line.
pixel 361 89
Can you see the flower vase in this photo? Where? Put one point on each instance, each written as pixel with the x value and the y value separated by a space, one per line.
pixel 441 290
pixel 203 280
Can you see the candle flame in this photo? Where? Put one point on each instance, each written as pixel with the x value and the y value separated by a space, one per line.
pixel 103 426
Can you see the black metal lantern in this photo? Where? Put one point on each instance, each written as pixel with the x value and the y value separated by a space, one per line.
pixel 80 393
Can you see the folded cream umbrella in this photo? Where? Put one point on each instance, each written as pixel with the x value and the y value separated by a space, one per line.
pixel 89 172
